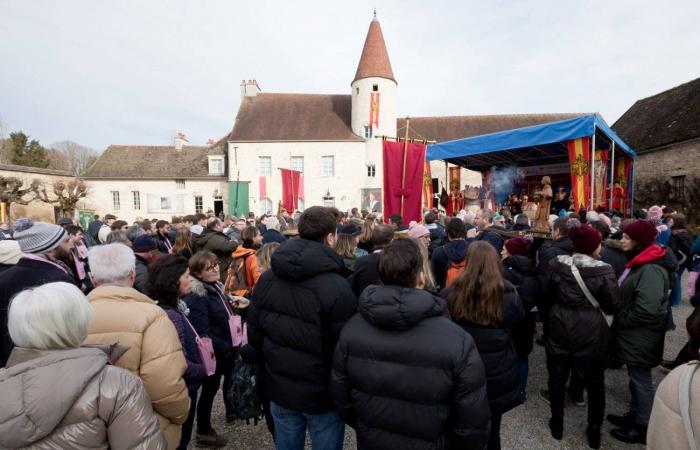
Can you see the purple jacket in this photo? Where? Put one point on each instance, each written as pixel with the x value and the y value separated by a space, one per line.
pixel 195 373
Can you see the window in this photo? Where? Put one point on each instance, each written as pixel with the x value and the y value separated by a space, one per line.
pixel 265 166
pixel 368 131
pixel 265 206
pixel 180 184
pixel 298 163
pixel 300 204
pixel 166 203
pixel 115 200
pixel 375 88
pixel 678 183
pixel 357 90
pixel 216 165
pixel 327 166
pixel 137 199
pixel 371 170
pixel 198 204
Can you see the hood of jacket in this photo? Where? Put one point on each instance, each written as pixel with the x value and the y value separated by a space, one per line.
pixel 521 263
pixel 33 406
pixel 655 254
pixel 301 259
pixel 241 251
pixel 200 289
pixel 456 250
pixel 398 308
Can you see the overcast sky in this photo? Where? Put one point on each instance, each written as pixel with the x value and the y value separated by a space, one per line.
pixel 137 72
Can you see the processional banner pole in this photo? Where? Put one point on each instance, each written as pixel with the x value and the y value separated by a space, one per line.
pixel 612 175
pixel 591 207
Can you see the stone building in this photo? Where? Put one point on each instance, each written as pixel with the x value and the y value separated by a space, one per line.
pixel 664 130
pixel 137 181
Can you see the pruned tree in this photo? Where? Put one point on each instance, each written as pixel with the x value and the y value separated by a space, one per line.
pixel 65 195
pixel 71 156
pixel 14 191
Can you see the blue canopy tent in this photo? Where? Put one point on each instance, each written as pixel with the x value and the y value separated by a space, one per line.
pixel 537 145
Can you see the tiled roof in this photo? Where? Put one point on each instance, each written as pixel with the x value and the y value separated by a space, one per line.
pixel 154 162
pixel 665 118
pixel 293 117
pixel 456 127
pixel 374 61
pixel 37 170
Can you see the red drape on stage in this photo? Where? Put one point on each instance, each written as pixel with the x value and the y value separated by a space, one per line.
pixel 621 173
pixel 412 190
pixel 290 189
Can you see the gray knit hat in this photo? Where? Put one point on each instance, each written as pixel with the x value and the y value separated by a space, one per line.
pixel 37 237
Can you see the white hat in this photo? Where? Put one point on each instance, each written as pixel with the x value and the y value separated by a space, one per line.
pixel 10 252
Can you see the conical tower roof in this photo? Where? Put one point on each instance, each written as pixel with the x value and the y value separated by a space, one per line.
pixel 374 61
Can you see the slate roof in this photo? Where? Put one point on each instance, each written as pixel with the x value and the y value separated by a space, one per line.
pixel 666 118
pixel 294 117
pixel 154 162
pixel 448 128
pixel 374 61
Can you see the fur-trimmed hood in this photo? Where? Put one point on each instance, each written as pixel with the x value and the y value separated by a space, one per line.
pixel 201 289
pixel 613 243
pixel 580 261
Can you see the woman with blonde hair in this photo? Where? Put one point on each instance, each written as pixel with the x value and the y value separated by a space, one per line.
pixel 58 394
pixel 487 306
pixel 365 238
pixel 264 256
pixel 183 243
pixel 345 246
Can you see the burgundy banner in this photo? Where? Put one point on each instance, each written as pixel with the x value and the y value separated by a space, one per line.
pixel 290 189
pixel 410 194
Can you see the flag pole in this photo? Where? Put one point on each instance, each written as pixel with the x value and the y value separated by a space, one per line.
pixel 405 156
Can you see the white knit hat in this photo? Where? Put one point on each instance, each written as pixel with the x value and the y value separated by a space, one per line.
pixel 10 252
pixel 37 237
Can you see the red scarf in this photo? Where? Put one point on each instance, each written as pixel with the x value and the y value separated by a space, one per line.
pixel 650 254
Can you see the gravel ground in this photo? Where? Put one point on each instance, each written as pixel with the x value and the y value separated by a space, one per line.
pixel 524 427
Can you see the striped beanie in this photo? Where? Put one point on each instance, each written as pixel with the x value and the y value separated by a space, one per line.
pixel 37 237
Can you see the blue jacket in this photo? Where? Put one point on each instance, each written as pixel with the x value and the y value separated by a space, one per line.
pixel 195 373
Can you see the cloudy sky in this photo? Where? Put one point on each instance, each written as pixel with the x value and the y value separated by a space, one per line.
pixel 137 72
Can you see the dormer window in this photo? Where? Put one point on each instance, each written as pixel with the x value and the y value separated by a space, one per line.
pixel 216 165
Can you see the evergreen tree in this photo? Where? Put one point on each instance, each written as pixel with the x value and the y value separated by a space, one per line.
pixel 26 152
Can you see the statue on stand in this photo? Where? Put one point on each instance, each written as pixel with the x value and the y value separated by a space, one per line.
pixel 544 197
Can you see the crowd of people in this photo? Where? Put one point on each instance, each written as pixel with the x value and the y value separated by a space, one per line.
pixel 415 335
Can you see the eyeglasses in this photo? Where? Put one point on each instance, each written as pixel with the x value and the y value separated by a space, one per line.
pixel 214 268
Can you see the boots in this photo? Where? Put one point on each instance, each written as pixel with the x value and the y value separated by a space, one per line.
pixel 593 434
pixel 624 421
pixel 637 434
pixel 210 440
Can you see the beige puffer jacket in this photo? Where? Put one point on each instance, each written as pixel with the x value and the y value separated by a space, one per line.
pixel 73 399
pixel 666 430
pixel 126 316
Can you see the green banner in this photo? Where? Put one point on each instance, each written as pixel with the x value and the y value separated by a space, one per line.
pixel 238 198
pixel 85 217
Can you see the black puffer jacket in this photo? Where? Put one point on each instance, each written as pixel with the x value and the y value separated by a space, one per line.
pixel 520 272
pixel 612 254
pixel 498 351
pixel 405 377
pixel 576 329
pixel 297 311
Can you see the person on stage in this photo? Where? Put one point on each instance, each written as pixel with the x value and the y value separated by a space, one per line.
pixel 618 197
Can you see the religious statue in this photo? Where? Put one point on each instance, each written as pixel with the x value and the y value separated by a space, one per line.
pixel 544 197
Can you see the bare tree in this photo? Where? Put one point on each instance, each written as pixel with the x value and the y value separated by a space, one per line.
pixel 13 191
pixel 65 195
pixel 71 156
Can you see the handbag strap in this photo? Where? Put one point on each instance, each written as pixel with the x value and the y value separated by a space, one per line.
pixel 684 401
pixel 588 294
pixel 190 324
pixel 223 302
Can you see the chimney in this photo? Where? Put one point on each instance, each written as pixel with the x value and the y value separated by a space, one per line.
pixel 211 141
pixel 180 141
pixel 249 88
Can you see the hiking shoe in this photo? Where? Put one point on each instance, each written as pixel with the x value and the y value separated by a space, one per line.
pixel 210 440
pixel 544 395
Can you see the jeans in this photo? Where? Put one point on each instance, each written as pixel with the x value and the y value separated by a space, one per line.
pixel 677 291
pixel 187 426
pixel 593 381
pixel 210 387
pixel 327 430
pixel 642 390
pixel 523 370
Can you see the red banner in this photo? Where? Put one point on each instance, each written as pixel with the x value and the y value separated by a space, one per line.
pixel 405 162
pixel 374 109
pixel 455 202
pixel 290 189
pixel 621 195
pixel 427 186
pixel 580 168
pixel 263 187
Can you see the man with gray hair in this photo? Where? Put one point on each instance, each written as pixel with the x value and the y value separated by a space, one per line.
pixel 46 255
pixel 122 314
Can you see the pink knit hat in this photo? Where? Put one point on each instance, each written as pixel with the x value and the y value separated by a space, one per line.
pixel 655 212
pixel 417 231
